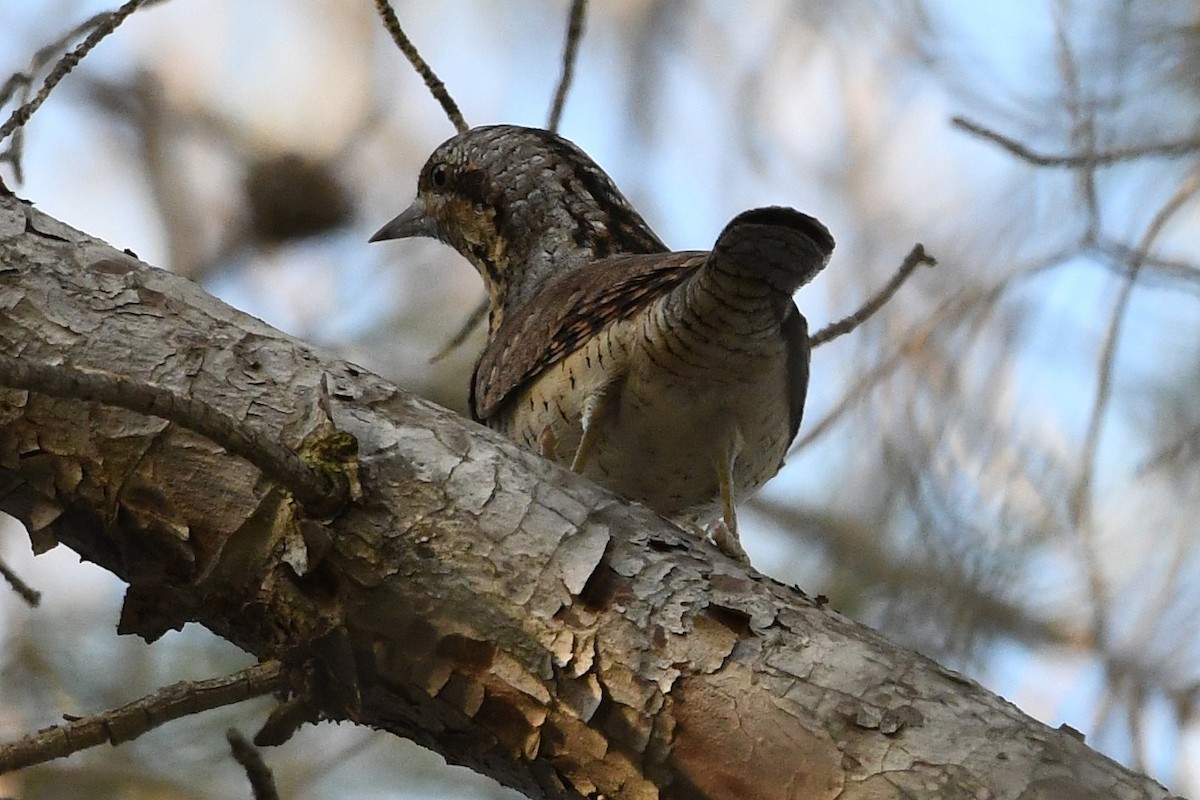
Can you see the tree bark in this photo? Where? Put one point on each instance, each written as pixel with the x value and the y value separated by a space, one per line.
pixel 478 600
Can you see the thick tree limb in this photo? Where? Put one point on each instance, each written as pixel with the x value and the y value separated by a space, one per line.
pixel 480 600
pixel 310 486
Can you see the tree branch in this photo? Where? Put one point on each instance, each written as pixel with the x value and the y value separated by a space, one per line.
pixel 570 52
pixel 30 595
pixel 312 488
pixel 438 89
pixel 481 601
pixel 262 781
pixel 1175 149
pixel 131 721
pixel 1079 505
pixel 915 258
pixel 102 25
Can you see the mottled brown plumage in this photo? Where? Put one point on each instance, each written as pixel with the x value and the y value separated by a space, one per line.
pixel 675 379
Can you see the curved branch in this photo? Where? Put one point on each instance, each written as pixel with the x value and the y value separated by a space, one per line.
pixel 1100 158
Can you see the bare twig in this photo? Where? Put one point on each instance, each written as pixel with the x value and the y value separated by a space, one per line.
pixel 570 51
pixel 20 85
pixel 916 257
pixel 438 89
pixel 951 310
pixel 468 326
pixel 1083 119
pixel 575 27
pixel 1175 149
pixel 262 782
pixel 103 26
pixel 856 392
pixel 27 593
pixel 855 543
pixel 132 720
pixel 1080 506
pixel 311 487
pixel 1155 270
pixel 1173 452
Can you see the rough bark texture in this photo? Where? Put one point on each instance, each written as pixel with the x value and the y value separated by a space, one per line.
pixel 479 601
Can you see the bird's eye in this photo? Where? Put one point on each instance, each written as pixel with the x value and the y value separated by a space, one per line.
pixel 437 176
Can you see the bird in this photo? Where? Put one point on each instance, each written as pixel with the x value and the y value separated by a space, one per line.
pixel 675 379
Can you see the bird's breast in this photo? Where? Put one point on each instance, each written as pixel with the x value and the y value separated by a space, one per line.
pixel 666 404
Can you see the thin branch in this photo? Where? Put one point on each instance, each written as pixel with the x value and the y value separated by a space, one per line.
pixel 855 544
pixel 916 257
pixel 438 89
pixel 570 52
pixel 311 487
pixel 468 326
pixel 1079 506
pixel 1135 707
pixel 951 310
pixel 853 394
pixel 130 721
pixel 1083 119
pixel 262 781
pixel 1173 452
pixel 27 593
pixel 20 86
pixel 1181 147
pixel 104 25
pixel 1155 270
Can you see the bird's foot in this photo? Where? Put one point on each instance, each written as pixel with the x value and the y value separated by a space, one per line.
pixel 726 540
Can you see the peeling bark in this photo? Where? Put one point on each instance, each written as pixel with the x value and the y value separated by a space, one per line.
pixel 479 600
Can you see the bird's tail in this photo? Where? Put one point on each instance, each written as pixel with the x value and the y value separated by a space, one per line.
pixel 768 249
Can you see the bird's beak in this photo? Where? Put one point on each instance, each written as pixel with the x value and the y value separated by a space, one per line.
pixel 413 221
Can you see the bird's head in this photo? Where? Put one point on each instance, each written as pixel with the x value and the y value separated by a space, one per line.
pixel 521 204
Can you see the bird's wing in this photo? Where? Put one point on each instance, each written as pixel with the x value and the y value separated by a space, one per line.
pixel 567 313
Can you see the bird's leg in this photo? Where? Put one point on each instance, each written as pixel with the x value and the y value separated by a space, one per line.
pixel 723 531
pixel 593 408
pixel 548 444
pixel 596 406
